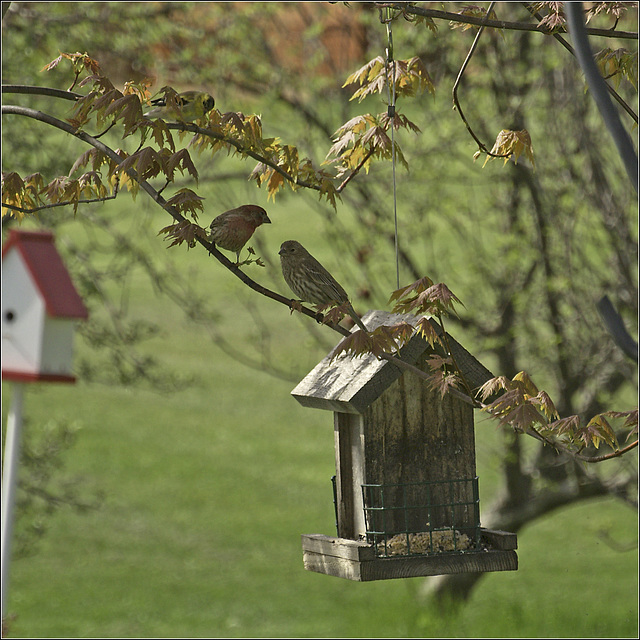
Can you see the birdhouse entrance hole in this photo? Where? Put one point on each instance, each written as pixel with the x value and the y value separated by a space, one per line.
pixel 405 490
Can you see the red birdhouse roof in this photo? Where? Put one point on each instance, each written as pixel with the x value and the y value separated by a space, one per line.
pixel 51 277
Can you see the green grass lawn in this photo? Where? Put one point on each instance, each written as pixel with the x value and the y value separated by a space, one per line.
pixel 206 498
pixel 207 490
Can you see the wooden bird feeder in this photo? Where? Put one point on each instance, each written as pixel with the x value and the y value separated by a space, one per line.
pixel 406 491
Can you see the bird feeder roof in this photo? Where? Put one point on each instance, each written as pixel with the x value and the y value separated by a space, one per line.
pixel 48 271
pixel 350 385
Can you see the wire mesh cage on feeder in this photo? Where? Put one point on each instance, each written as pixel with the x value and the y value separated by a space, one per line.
pixel 405 489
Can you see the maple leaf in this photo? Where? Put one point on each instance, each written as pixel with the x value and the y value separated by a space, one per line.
pixel 329 191
pixel 435 299
pixel 546 404
pixel 565 426
pixel 555 20
pixel 631 417
pixel 183 231
pixel 401 332
pixel 522 416
pixel 275 182
pixel 443 381
pixel 357 344
pixel 428 22
pixel 615 9
pixel 617 64
pixel 418 286
pixel 80 61
pixel 82 161
pixel 161 133
pixel 506 402
pixel 181 160
pixel 631 420
pixel 20 193
pixel 187 201
pixel 147 163
pixel 398 121
pixel 409 78
pixel 332 315
pixel 366 73
pixel 493 386
pixel 512 143
pixel 428 331
pixel 524 382
pixel 596 431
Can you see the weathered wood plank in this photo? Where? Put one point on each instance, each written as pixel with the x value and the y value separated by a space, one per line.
pixel 338 547
pixel 350 474
pixel 499 539
pixel 350 568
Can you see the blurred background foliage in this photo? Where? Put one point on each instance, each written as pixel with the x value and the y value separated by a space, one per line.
pixel 188 434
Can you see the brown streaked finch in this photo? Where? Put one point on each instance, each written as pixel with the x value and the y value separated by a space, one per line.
pixel 232 229
pixel 310 281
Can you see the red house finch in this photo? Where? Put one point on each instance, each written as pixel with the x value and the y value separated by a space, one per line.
pixel 310 281
pixel 232 229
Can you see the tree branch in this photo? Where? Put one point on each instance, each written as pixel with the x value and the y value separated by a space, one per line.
pixel 405 8
pixel 52 205
pixel 41 91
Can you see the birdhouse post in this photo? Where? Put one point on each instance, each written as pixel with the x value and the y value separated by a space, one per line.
pixel 406 490
pixel 39 308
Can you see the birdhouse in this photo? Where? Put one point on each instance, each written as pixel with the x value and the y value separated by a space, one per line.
pixel 405 489
pixel 39 308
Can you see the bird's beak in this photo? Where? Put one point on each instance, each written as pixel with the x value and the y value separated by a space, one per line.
pixel 280 252
pixel 266 219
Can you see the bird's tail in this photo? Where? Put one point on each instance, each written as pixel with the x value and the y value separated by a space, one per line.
pixel 356 318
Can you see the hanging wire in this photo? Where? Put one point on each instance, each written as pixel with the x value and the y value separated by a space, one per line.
pixel 390 69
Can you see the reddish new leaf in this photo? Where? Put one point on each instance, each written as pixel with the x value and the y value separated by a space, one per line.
pixel 187 201
pixel 183 231
pixel 546 404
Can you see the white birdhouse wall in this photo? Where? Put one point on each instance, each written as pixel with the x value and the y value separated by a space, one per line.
pixel 57 346
pixel 23 317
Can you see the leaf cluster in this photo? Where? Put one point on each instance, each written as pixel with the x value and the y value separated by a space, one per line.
pixel 425 297
pixel 618 64
pixel 522 406
pixel 407 78
pixel 511 144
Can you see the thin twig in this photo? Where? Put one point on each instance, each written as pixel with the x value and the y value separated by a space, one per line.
pixel 607 456
pixel 456 84
pixel 14 207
